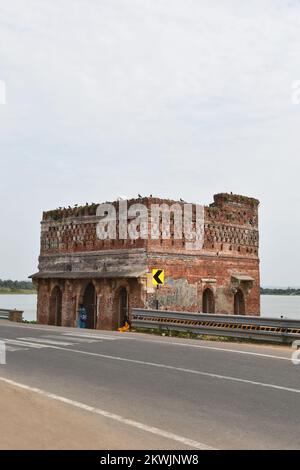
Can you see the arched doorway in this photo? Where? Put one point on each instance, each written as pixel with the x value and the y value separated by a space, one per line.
pixel 89 303
pixel 123 306
pixel 55 314
pixel 239 303
pixel 208 301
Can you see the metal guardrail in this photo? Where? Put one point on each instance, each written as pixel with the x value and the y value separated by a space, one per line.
pixel 4 314
pixel 250 327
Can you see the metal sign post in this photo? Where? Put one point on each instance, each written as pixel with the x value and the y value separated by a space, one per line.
pixel 158 279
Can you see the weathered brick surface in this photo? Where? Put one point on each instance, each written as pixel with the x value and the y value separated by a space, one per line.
pixel 186 279
pixel 72 257
pixel 16 315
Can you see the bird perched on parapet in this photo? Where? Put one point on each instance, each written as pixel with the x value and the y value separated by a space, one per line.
pixel 75 205
pixel 69 207
pixel 139 195
pixel 150 195
pixel 86 203
pixel 181 200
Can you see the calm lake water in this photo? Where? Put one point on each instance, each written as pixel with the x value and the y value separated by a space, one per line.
pixel 26 302
pixel 273 306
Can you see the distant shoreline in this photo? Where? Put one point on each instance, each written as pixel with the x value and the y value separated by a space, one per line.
pixel 277 291
pixel 4 291
pixel 278 295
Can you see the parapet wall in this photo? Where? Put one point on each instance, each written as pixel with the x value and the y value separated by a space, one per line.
pixel 231 225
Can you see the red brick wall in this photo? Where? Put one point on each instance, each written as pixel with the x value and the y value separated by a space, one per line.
pixel 231 244
pixel 107 299
pixel 187 277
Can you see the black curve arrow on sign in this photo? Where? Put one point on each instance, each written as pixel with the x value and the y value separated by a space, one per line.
pixel 156 276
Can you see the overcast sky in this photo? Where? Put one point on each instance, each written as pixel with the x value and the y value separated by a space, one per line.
pixel 177 98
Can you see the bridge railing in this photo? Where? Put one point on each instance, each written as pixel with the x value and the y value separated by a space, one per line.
pixel 239 326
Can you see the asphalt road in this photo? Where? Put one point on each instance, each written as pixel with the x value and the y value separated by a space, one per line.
pixel 160 392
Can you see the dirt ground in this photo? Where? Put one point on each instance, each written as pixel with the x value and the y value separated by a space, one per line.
pixel 31 421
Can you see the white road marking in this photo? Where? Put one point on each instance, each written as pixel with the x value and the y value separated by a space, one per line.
pixel 45 341
pixel 163 366
pixel 75 340
pixel 112 416
pixel 152 341
pixel 214 348
pixel 196 346
pixel 93 336
pixel 13 348
pixel 24 343
pixel 182 369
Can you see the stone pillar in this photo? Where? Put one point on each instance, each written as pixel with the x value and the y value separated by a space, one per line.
pixel 43 300
pixel 68 304
pixel 106 317
pixel 98 287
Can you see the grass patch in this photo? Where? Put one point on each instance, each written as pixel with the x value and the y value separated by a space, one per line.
pixel 161 332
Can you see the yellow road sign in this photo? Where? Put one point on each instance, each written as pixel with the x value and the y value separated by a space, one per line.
pixel 158 277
